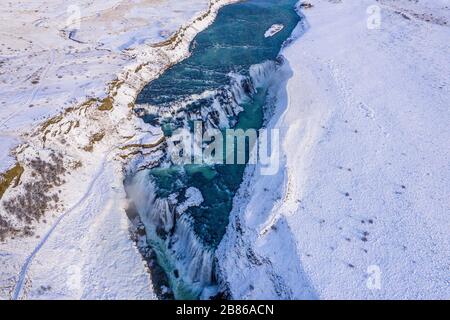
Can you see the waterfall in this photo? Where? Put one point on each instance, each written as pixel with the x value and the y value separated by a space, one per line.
pixel 192 256
pixel 217 108
pixel 262 73
pixel 154 212
pixel 241 88
pixel 188 262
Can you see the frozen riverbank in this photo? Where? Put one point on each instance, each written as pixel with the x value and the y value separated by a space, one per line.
pixel 360 209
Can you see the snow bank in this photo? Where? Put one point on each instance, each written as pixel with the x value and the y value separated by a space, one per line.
pixel 360 208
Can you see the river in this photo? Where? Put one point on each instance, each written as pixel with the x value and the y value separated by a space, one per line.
pixel 222 84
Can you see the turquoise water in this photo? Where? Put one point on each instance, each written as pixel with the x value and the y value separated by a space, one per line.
pixel 233 43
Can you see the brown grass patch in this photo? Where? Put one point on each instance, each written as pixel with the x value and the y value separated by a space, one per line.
pixel 144 146
pixel 37 196
pixel 9 177
pixel 107 104
pixel 51 121
pixel 93 140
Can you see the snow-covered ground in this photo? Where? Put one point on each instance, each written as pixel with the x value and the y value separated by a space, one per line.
pixel 361 206
pixel 359 209
pixel 70 75
pixel 43 71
